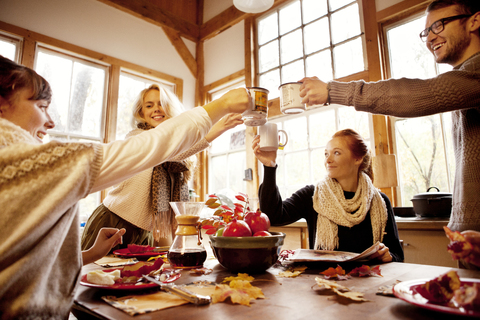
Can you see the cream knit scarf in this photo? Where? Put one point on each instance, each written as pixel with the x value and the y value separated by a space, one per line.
pixel 334 210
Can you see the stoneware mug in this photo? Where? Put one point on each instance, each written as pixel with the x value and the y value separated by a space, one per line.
pixel 256 115
pixel 270 137
pixel 290 101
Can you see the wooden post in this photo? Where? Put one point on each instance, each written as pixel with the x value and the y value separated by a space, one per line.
pixel 380 130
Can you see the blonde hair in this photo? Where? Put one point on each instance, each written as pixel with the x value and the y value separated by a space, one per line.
pixel 173 107
pixel 169 101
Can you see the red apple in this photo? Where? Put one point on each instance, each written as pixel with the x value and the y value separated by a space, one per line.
pixel 262 234
pixel 237 228
pixel 257 221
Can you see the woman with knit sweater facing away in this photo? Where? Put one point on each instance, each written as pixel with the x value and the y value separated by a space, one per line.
pixel 344 211
pixel 40 184
pixel 141 204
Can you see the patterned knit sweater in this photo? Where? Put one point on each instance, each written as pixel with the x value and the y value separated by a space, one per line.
pixel 40 184
pixel 458 92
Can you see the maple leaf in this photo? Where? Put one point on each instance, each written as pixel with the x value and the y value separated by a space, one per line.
pixel 240 276
pixel 292 272
pixel 337 272
pixel 340 290
pixel 365 271
pixel 352 295
pixel 239 291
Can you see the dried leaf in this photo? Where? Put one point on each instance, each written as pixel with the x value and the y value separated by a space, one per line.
pixel 340 290
pixel 337 272
pixel 352 295
pixel 329 284
pixel 365 271
pixel 239 291
pixel 292 272
pixel 240 276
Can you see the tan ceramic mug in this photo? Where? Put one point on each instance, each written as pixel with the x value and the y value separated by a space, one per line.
pixel 290 101
pixel 270 137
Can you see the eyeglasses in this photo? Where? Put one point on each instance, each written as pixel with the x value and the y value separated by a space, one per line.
pixel 439 25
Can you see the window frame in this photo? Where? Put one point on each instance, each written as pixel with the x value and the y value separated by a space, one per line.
pixel 384 26
pixel 210 93
pixel 305 56
pixel 41 47
pixel 16 40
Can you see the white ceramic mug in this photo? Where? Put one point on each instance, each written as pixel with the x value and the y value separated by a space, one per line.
pixel 290 101
pixel 270 137
pixel 256 115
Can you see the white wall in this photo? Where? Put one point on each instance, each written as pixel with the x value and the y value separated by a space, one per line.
pixel 225 53
pixel 99 27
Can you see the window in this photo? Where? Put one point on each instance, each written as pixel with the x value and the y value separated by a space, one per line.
pixel 10 47
pixel 301 162
pixel 227 156
pixel 78 103
pixel 426 162
pixel 130 87
pixel 320 38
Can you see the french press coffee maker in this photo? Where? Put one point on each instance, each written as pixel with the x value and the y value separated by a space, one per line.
pixel 187 250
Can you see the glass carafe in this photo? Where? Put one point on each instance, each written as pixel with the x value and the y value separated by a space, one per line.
pixel 187 250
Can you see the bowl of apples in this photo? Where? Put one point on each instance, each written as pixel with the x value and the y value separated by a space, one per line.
pixel 244 244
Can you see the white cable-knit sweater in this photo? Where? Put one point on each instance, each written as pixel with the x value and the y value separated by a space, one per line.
pixel 132 200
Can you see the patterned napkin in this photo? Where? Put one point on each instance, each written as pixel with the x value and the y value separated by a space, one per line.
pixel 145 303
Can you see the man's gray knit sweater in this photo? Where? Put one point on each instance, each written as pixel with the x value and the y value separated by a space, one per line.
pixel 457 91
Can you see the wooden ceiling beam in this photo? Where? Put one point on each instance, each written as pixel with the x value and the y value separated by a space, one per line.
pixel 145 10
pixel 222 22
pixel 182 50
pixel 226 19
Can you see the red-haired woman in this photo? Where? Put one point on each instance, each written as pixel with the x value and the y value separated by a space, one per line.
pixel 344 211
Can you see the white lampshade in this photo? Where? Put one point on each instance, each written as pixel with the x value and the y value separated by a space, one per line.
pixel 253 6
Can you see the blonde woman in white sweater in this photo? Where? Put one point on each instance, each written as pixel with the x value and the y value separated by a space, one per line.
pixel 40 184
pixel 141 204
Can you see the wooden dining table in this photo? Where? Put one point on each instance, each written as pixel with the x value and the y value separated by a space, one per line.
pixel 287 298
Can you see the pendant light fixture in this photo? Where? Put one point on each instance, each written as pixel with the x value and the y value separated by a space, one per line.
pixel 253 6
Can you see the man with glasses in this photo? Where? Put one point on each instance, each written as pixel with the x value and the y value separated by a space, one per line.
pixel 452 35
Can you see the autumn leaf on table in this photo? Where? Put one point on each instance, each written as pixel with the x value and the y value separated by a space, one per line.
pixel 292 272
pixel 365 271
pixel 239 291
pixel 352 295
pixel 337 272
pixel 340 290
pixel 240 276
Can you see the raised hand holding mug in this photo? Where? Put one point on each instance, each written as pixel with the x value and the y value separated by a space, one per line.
pixel 290 101
pixel 256 115
pixel 270 137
